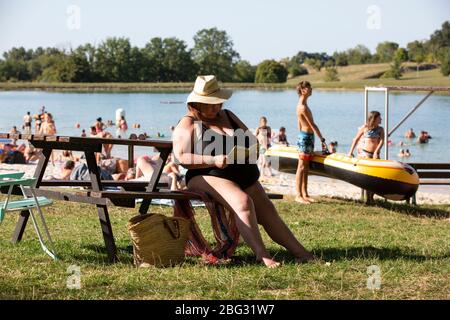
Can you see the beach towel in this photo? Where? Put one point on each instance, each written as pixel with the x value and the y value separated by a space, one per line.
pixel 223 226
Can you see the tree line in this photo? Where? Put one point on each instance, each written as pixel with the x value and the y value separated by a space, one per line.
pixel 170 60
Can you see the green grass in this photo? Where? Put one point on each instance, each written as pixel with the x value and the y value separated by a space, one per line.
pixel 358 76
pixel 410 245
pixel 353 77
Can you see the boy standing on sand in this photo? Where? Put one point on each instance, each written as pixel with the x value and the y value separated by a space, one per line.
pixel 305 142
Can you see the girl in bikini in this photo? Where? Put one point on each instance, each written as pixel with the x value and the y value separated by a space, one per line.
pixel 373 135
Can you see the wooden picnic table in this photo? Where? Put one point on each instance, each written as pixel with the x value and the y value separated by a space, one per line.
pixel 96 193
pixel 90 146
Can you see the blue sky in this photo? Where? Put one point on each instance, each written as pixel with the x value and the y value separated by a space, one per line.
pixel 259 29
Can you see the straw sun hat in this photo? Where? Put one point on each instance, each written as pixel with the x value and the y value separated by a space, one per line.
pixel 207 90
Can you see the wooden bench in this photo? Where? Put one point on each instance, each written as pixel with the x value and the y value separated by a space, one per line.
pixel 432 174
pixel 95 192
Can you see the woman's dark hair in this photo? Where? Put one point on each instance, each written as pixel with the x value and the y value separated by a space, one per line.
pixel 133 136
pixel 302 85
pixel 373 115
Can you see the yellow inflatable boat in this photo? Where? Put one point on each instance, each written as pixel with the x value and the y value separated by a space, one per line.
pixel 390 179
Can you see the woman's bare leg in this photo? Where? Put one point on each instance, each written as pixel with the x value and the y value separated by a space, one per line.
pixel 275 227
pixel 239 202
pixel 143 168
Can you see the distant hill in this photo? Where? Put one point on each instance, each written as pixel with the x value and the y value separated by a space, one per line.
pixel 358 76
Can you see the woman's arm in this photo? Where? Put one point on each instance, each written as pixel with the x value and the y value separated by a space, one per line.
pixel 376 153
pixel 355 141
pixel 183 137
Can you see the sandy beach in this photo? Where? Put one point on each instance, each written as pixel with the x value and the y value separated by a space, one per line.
pixel 285 184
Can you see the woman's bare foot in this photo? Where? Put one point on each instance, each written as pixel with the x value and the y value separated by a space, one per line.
pixel 302 200
pixel 308 198
pixel 269 263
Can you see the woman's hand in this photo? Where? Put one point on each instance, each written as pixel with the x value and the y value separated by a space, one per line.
pixel 350 154
pixel 221 161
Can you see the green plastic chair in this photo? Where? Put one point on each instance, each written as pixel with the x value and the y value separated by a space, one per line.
pixel 27 203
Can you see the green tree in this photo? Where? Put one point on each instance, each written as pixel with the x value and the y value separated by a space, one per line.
pixel 331 74
pixel 168 60
pixel 63 69
pixel 113 57
pixel 15 66
pixel 395 71
pixel 341 58
pixel 296 70
pixel 214 54
pixel 439 39
pixel 270 71
pixel 401 55
pixel 359 55
pixel 416 53
pixel 444 58
pixel 314 63
pixel 385 51
pixel 244 72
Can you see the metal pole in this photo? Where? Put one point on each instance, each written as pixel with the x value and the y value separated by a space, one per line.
pixel 410 112
pixel 386 124
pixel 366 114
pixel 366 104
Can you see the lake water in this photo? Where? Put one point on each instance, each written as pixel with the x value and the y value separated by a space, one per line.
pixel 338 114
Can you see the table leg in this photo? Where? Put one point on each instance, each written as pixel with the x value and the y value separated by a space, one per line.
pixel 152 185
pixel 102 210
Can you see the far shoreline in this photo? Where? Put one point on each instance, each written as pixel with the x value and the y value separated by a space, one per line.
pixel 184 87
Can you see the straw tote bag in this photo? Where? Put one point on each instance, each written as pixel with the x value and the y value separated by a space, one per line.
pixel 158 240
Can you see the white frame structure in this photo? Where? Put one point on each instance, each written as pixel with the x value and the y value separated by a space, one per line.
pixel 386 90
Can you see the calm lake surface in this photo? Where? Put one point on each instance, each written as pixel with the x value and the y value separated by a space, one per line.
pixel 338 114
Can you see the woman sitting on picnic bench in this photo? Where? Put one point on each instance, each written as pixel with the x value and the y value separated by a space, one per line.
pixel 233 185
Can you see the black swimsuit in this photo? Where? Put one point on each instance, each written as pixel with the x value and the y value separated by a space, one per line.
pixel 245 175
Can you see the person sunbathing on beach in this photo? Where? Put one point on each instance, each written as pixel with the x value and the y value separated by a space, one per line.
pixel 66 171
pixel 373 135
pixel 66 155
pixel 145 167
pixel 172 169
pixel 31 153
pixel 305 142
pixel 234 185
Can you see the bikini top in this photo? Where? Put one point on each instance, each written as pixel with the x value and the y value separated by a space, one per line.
pixel 374 133
pixel 210 139
pixel 266 129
